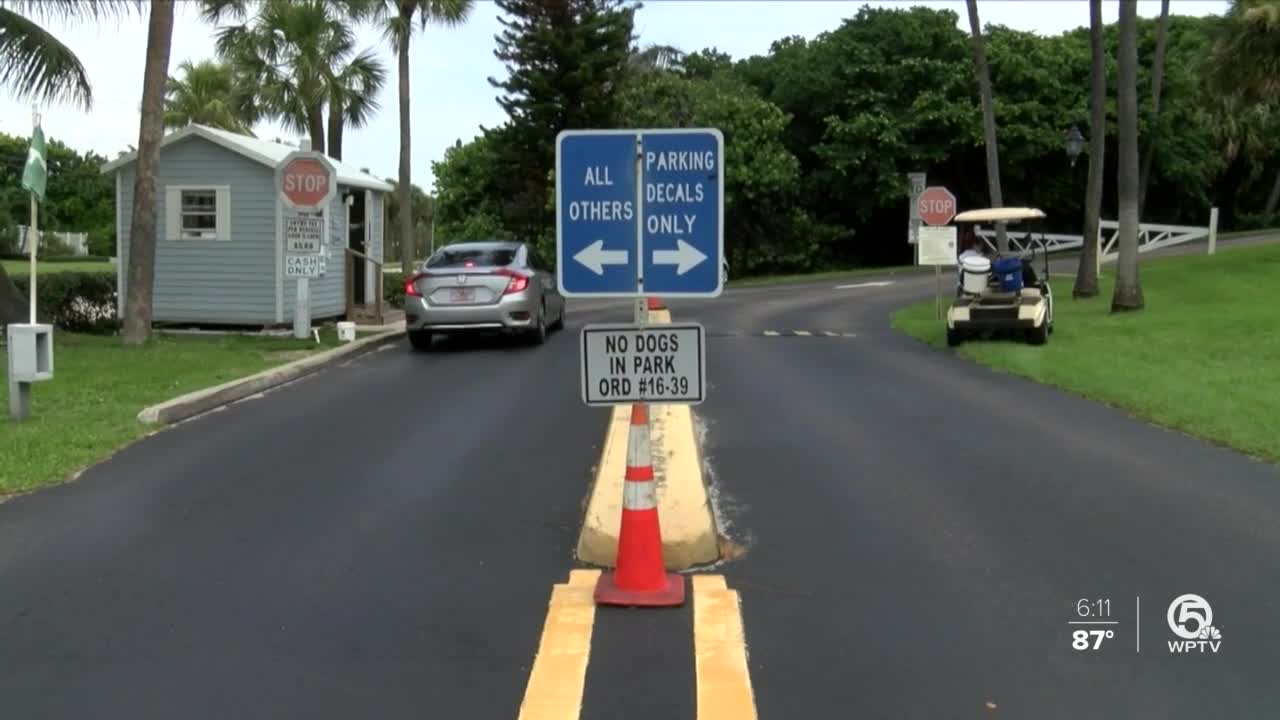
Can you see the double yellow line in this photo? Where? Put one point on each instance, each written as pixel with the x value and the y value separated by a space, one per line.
pixel 558 677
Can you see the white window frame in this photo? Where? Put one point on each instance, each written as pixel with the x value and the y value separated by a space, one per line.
pixel 222 212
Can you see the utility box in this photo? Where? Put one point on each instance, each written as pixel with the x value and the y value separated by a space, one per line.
pixel 30 353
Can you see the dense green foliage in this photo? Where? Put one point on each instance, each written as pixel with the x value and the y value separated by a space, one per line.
pixel 820 134
pixel 78 198
pixel 74 301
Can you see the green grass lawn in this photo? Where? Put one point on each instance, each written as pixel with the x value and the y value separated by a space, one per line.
pixel 89 409
pixel 1203 357
pixel 23 268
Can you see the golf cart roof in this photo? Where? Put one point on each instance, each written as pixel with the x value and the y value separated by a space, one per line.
pixel 1000 214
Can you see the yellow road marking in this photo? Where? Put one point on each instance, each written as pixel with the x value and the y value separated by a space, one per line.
pixel 720 652
pixel 559 671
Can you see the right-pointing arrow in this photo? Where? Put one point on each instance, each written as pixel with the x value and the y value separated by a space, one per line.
pixel 685 257
pixel 595 257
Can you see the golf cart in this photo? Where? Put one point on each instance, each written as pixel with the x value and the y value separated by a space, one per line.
pixel 1003 294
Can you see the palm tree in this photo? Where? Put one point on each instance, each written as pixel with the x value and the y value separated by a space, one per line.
pixel 983 71
pixel 1087 273
pixel 1247 62
pixel 398 18
pixel 301 56
pixel 35 66
pixel 1157 84
pixel 1128 290
pixel 142 233
pixel 210 93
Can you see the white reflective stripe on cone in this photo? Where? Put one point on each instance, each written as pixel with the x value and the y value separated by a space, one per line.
pixel 639 495
pixel 638 454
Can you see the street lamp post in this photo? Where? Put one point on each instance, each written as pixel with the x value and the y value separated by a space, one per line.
pixel 1074 144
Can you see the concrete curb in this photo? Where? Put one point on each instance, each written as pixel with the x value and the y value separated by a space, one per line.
pixel 200 401
pixel 689 535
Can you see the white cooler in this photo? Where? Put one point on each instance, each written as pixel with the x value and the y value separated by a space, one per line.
pixel 974 273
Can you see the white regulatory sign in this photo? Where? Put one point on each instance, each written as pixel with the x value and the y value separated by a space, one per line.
pixel 303 233
pixel 307 266
pixel 937 245
pixel 623 364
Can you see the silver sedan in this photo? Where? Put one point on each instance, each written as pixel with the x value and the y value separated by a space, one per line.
pixel 482 287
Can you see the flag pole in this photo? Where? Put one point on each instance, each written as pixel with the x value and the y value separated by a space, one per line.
pixel 33 237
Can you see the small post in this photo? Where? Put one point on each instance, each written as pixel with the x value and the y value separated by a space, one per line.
pixel 302 310
pixel 33 240
pixel 1213 230
pixel 937 292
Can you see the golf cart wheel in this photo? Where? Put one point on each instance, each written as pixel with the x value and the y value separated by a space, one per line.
pixel 1038 335
pixel 954 337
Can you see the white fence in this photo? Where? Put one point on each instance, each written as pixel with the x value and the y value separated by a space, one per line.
pixel 78 243
pixel 1151 237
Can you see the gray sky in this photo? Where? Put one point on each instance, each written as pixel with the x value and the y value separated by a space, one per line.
pixel 450 95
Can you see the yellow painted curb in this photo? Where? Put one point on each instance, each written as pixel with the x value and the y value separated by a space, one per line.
pixel 684 511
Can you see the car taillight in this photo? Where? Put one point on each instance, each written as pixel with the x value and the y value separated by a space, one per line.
pixel 516 284
pixel 411 285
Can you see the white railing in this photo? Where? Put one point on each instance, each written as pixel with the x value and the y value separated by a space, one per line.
pixel 78 243
pixel 1151 236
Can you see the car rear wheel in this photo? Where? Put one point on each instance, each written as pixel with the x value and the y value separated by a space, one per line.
pixel 559 323
pixel 420 340
pixel 539 333
pixel 1038 335
pixel 954 337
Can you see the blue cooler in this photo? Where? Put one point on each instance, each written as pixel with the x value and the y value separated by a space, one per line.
pixel 1008 272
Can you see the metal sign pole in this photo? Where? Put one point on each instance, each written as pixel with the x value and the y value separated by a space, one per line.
pixel 642 309
pixel 937 292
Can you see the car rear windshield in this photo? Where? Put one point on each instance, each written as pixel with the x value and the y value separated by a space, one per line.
pixel 472 257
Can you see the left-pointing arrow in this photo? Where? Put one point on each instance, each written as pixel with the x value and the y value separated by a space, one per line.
pixel 685 257
pixel 595 257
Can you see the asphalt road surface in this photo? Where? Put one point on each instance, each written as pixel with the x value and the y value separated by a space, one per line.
pixel 380 540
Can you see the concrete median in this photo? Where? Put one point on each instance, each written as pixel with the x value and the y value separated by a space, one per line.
pixel 689 536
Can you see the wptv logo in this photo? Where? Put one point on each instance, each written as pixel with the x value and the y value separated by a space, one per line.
pixel 1191 619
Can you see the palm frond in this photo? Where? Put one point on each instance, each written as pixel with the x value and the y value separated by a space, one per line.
pixel 65 10
pixel 36 65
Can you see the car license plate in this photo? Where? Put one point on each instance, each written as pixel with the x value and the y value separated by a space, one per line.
pixel 462 295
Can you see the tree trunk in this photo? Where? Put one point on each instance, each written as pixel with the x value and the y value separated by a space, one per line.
pixel 1087 273
pixel 1274 198
pixel 405 187
pixel 315 123
pixel 1128 290
pixel 13 306
pixel 1157 84
pixel 335 130
pixel 983 72
pixel 142 228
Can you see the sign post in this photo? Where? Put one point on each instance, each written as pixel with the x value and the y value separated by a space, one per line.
pixel 639 213
pixel 30 345
pixel 936 207
pixel 306 182
pixel 917 181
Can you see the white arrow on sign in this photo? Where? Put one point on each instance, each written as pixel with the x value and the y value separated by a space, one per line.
pixel 595 257
pixel 685 257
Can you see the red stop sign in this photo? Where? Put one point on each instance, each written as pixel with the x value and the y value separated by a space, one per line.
pixel 936 205
pixel 306 183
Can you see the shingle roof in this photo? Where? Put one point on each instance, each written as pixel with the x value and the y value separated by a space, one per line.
pixel 264 151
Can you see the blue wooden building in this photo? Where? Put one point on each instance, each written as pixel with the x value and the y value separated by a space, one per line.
pixel 220 242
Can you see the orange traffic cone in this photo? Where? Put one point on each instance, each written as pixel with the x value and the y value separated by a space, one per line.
pixel 655 303
pixel 640 577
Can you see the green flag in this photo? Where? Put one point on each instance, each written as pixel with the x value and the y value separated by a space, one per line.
pixel 36 172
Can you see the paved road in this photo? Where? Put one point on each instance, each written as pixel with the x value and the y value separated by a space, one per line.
pixel 918 531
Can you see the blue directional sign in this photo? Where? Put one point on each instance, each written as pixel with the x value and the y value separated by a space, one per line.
pixel 640 212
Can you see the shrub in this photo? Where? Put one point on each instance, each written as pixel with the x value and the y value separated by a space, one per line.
pixel 75 301
pixel 393 288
